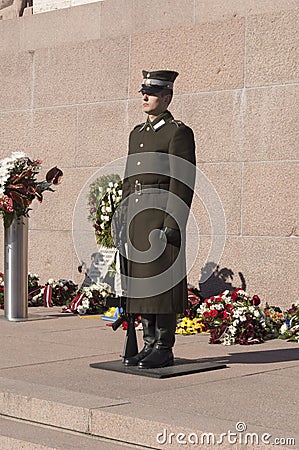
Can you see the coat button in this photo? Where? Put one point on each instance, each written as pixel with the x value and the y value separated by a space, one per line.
pixel 136 200
pixel 138 163
pixel 141 145
pixel 147 128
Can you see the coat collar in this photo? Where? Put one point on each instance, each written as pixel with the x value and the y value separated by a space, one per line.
pixel 159 122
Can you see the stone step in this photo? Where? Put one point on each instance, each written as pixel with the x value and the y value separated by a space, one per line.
pixel 70 411
pixel 98 422
pixel 21 435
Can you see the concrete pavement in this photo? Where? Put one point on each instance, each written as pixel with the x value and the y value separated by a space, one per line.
pixel 51 398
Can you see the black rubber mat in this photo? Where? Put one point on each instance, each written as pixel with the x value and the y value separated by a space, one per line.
pixel 180 367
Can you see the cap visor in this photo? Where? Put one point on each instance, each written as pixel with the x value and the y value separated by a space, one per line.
pixel 150 89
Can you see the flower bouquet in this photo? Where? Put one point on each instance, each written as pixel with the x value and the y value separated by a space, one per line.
pixel 290 329
pixel 190 326
pixel 35 297
pixel 107 205
pixel 194 300
pixel 189 323
pixel 97 190
pixel 19 186
pixel 273 319
pixel 90 299
pixel 233 317
pixel 58 292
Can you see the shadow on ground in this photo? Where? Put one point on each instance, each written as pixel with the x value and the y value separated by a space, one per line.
pixel 259 357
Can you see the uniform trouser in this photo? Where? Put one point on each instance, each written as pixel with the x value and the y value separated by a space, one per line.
pixel 159 330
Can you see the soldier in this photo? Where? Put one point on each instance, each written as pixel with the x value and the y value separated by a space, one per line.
pixel 157 194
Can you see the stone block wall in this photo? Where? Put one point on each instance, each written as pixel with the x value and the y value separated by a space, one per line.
pixel 69 96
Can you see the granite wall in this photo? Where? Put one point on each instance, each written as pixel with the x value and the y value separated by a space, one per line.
pixel 69 96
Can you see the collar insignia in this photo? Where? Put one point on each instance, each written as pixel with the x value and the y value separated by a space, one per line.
pixel 159 124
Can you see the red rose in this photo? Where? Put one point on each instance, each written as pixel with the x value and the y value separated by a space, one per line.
pixel 255 300
pixel 224 315
pixel 234 295
pixel 213 313
pixel 206 314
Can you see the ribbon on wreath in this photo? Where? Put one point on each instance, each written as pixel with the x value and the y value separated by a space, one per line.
pixel 192 298
pixel 77 300
pixel 48 296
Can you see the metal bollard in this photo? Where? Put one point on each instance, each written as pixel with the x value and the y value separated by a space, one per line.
pixel 16 270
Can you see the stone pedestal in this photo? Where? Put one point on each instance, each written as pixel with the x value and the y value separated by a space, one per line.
pixel 40 6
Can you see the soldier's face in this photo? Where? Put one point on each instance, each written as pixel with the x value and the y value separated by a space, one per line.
pixel 154 104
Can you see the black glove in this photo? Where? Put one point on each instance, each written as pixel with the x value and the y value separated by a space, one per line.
pixel 173 236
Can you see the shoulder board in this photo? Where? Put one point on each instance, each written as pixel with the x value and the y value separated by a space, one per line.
pixel 141 125
pixel 178 123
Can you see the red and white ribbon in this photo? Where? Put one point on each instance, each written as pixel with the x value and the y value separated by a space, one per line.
pixel 48 297
pixel 76 302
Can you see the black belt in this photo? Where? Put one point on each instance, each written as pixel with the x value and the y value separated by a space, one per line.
pixel 139 187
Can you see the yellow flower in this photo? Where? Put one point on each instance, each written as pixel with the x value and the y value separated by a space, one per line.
pixel 190 326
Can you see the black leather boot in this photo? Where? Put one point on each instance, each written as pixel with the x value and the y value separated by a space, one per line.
pixel 149 337
pixel 161 355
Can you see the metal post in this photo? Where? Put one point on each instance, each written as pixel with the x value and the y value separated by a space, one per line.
pixel 16 270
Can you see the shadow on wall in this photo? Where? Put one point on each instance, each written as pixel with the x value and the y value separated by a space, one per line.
pixel 214 280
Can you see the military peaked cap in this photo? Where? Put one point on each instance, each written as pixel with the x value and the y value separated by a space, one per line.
pixel 156 81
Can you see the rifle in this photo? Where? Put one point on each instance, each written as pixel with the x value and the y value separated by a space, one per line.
pixel 130 346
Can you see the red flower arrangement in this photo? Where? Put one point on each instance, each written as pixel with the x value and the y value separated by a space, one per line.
pixel 233 317
pixel 19 186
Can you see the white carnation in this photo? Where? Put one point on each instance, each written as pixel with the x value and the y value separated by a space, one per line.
pixel 283 328
pixel 241 292
pixel 85 303
pixel 81 310
pixel 232 329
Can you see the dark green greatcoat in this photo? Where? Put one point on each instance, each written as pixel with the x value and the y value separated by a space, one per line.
pixel 158 282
